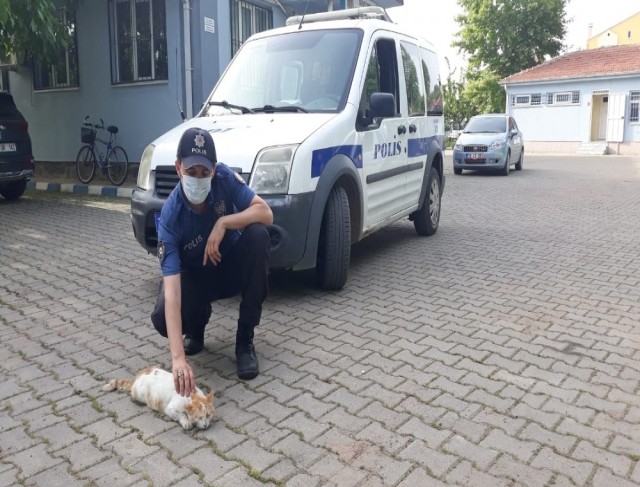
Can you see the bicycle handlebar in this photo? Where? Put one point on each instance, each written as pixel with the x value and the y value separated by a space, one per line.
pixel 88 123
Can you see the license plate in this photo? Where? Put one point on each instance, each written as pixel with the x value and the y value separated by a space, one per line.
pixel 7 147
pixel 475 155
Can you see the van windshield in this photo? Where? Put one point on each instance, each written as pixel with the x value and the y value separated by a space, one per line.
pixel 302 71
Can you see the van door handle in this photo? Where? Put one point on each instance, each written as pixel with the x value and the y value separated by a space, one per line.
pixel 412 128
pixel 402 129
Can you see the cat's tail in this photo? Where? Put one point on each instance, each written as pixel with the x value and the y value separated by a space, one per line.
pixel 118 384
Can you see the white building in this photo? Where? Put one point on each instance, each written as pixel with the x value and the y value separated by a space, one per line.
pixel 582 102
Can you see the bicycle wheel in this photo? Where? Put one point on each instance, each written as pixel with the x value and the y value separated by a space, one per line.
pixel 86 164
pixel 117 165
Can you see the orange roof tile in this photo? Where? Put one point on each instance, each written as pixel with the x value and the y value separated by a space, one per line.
pixel 604 61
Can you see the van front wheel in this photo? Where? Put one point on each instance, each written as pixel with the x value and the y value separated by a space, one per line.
pixel 427 217
pixel 334 247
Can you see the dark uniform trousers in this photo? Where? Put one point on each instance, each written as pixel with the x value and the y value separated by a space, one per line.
pixel 244 269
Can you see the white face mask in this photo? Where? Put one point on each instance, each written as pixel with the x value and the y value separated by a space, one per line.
pixel 196 189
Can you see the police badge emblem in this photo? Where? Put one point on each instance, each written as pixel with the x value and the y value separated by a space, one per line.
pixel 161 250
pixel 220 208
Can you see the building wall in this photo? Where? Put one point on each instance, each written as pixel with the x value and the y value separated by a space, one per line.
pixel 625 32
pixel 141 111
pixel 564 126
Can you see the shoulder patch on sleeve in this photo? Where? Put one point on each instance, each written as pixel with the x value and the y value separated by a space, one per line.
pixel 238 177
pixel 161 250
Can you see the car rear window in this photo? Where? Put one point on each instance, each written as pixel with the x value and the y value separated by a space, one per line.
pixel 8 107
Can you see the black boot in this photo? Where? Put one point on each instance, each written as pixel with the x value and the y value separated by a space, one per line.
pixel 246 358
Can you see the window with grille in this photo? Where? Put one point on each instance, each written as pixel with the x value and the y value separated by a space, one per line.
pixel 247 19
pixel 138 32
pixel 534 99
pixel 63 73
pixel 634 108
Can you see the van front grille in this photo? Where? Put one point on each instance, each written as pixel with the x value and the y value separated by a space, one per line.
pixel 166 180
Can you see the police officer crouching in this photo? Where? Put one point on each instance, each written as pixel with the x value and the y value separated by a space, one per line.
pixel 212 244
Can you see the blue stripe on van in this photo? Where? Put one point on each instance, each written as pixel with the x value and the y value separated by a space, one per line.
pixel 420 147
pixel 320 157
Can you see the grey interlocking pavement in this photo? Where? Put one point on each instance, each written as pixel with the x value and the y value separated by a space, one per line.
pixel 504 350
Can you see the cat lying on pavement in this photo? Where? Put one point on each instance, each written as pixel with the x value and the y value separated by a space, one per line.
pixel 155 388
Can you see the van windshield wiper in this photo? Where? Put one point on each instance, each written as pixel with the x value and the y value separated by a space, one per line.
pixel 285 108
pixel 229 106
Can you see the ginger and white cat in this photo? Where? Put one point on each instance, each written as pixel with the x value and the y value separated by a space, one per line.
pixel 155 388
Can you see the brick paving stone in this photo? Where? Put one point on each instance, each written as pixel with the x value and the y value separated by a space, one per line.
pixel 498 440
pixel 426 412
pixel 56 476
pixel 507 466
pixel 131 449
pixel 253 456
pixel 303 454
pixel 82 455
pixel 345 421
pixel 159 470
pixel 419 477
pixel 431 436
pixel 340 443
pixel 31 460
pixel 331 467
pixel 480 456
pixel 435 462
pixel 548 419
pixel 618 464
pixel 604 421
pixel 59 435
pixel 382 465
pixel 509 425
pixel 239 477
pixel 263 432
pixel 177 442
pixel 578 471
pixel 560 442
pixel 490 400
pixel 281 471
pixel 218 434
pixel 465 474
pixel 389 441
pixel 604 478
pixel 308 428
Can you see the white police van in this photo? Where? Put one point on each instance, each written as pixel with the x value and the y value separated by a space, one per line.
pixel 336 121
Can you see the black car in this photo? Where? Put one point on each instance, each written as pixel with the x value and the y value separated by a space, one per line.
pixel 16 158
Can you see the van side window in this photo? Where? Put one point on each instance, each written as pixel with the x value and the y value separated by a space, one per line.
pixel 382 77
pixel 412 79
pixel 435 100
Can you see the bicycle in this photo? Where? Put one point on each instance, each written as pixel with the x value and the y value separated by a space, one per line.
pixel 115 161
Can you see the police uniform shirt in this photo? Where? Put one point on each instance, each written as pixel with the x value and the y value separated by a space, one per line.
pixel 183 233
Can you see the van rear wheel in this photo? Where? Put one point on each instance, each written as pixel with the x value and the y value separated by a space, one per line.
pixel 334 247
pixel 427 217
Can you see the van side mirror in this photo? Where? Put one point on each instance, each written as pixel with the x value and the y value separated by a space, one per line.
pixel 382 105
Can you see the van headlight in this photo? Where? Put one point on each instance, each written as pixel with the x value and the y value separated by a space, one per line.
pixel 272 170
pixel 496 144
pixel 144 170
pixel 458 147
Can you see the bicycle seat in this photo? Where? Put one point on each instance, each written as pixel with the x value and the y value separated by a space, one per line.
pixel 113 129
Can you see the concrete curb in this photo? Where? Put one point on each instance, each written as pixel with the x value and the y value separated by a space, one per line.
pixel 80 189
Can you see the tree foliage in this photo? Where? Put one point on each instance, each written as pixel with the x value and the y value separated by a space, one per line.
pixel 33 28
pixel 508 36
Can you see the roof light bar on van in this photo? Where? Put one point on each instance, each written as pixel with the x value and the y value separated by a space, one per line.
pixel 350 13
